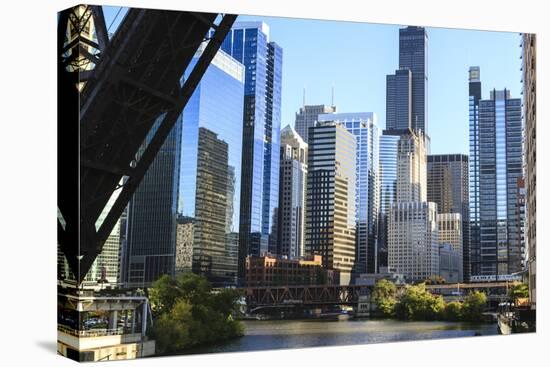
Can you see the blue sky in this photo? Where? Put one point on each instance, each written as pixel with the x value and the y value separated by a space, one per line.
pixel 356 57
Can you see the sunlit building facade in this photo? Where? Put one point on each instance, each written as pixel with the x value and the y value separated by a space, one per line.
pixel 307 116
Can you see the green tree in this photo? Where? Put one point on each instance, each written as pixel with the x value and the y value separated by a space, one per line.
pixel 453 311
pixel 384 297
pixel 417 303
pixel 188 312
pixel 519 290
pixel 473 306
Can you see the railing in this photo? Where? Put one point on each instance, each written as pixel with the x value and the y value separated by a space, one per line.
pixel 90 333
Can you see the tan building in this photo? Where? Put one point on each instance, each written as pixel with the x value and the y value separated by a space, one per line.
pixel 330 213
pixel 411 168
pixel 185 230
pixel 530 117
pixel 450 232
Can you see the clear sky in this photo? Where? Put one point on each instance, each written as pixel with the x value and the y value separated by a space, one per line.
pixel 356 57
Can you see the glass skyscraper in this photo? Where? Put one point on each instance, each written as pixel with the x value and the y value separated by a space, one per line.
pixel 399 100
pixel 499 153
pixel 210 169
pixel 248 43
pixel 364 126
pixel 388 190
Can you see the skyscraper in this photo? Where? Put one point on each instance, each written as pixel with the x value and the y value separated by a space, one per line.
pixel 388 189
pixel 399 100
pixel 413 240
pixel 448 188
pixel 474 98
pixel 151 225
pixel 413 55
pixel 292 196
pixel 450 232
pixel 530 115
pixel 406 102
pixel 307 116
pixel 411 168
pixel 210 170
pixel 500 165
pixel 330 214
pixel 248 43
pixel 364 126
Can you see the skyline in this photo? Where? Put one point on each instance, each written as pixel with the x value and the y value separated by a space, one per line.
pixel 497 53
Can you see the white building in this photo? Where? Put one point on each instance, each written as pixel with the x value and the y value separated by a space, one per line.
pixel 450 232
pixel 413 243
pixel 411 168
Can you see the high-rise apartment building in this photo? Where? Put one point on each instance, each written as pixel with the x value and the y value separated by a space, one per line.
pixel 406 102
pixel 210 170
pixel 413 240
pixel 364 126
pixel 249 43
pixel 450 228
pixel 331 188
pixel 448 188
pixel 411 168
pixel 389 141
pixel 308 116
pixel 530 116
pixel 500 164
pixel 292 194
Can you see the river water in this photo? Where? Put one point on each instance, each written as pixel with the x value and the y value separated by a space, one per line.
pixel 279 334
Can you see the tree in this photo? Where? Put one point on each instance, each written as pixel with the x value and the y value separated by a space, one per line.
pixel 453 311
pixel 384 297
pixel 188 312
pixel 473 306
pixel 519 290
pixel 417 303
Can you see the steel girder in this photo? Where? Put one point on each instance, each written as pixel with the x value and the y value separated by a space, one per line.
pixel 131 100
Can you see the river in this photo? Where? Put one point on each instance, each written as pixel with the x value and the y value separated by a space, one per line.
pixel 279 334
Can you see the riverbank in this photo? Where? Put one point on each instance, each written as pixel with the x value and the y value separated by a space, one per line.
pixel 284 334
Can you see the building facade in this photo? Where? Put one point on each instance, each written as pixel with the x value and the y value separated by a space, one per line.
pixel 399 100
pixel 450 264
pixel 249 43
pixel 413 240
pixel 388 190
pixel 474 255
pixel 331 193
pixel 500 165
pixel 150 246
pixel 530 117
pixel 210 170
pixel 450 226
pixel 364 126
pixel 411 168
pixel 307 117
pixel 292 194
pixel 448 187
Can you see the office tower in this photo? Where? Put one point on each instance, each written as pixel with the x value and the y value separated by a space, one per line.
pixel 292 196
pixel 450 264
pixel 413 240
pixel 210 170
pixel 448 188
pixel 249 43
pixel 499 153
pixel 307 116
pixel 330 214
pixel 411 168
pixel 450 228
pixel 413 55
pixel 184 243
pixel 388 190
pixel 530 116
pixel 519 249
pixel 399 100
pixel 151 225
pixel 474 97
pixel 406 102
pixel 364 126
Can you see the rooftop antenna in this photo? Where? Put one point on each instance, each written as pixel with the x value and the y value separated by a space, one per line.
pixel 304 99
pixel 332 96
